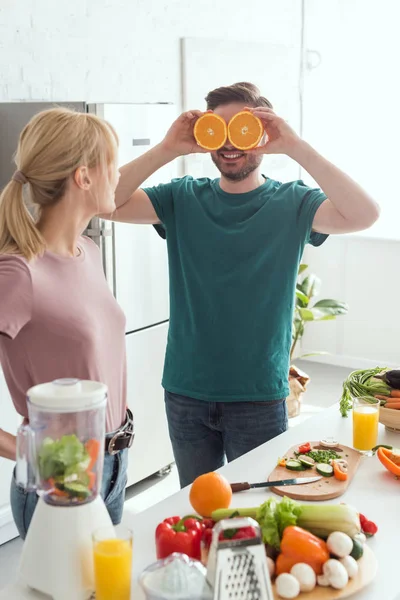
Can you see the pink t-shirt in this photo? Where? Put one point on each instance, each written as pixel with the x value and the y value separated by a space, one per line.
pixel 59 319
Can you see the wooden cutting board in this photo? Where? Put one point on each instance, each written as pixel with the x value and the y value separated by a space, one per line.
pixel 367 568
pixel 324 489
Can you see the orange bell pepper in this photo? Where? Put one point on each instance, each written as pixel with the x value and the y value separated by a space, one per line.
pixel 390 458
pixel 299 545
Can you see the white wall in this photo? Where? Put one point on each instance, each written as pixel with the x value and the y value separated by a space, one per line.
pixel 359 46
pixel 363 273
pixel 122 50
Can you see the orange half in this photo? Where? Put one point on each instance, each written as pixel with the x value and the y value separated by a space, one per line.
pixel 210 131
pixel 245 130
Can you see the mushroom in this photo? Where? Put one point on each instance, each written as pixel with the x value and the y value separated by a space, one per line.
pixel 339 544
pixel 287 586
pixel 271 566
pixel 305 575
pixel 336 574
pixel 351 566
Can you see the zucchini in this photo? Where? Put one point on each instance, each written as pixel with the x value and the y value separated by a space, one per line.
pixel 294 465
pixel 307 461
pixel 358 550
pixel 77 490
pixel 325 470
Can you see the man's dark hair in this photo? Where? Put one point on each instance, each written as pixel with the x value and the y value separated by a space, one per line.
pixel 245 92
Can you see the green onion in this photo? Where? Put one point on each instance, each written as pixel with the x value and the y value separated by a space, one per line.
pixel 362 383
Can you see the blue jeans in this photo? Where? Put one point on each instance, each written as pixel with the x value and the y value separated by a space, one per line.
pixel 203 433
pixel 113 485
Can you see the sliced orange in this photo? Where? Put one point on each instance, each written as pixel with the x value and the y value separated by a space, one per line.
pixel 245 130
pixel 210 131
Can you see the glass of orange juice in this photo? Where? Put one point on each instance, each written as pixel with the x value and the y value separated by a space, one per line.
pixel 112 556
pixel 365 424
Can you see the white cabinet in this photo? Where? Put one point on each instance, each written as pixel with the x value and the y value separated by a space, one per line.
pixel 151 450
pixel 9 421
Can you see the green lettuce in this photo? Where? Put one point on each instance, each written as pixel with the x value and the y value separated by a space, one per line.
pixel 65 456
pixel 274 516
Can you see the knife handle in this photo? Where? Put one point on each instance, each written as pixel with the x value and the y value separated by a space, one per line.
pixel 240 487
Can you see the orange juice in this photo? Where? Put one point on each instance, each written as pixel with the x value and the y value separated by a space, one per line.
pixel 365 426
pixel 112 566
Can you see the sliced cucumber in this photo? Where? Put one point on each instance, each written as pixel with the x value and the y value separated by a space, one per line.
pixel 294 465
pixel 78 490
pixel 325 470
pixel 307 461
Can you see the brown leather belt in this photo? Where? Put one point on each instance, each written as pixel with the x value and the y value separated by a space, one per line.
pixel 123 437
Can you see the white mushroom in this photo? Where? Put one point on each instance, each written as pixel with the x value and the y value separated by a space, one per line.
pixel 271 566
pixel 336 573
pixel 305 575
pixel 361 537
pixel 287 586
pixel 323 581
pixel 351 566
pixel 339 544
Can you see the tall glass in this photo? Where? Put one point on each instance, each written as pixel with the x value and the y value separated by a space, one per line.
pixel 365 424
pixel 112 555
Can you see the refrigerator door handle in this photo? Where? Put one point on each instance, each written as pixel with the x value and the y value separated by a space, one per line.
pixel 141 142
pixel 104 237
pixel 93 233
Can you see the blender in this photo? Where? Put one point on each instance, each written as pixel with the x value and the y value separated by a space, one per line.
pixel 60 455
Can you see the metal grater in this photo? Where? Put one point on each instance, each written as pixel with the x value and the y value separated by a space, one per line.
pixel 237 569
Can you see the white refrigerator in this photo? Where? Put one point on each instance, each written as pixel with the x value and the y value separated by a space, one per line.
pixel 136 266
pixel 135 263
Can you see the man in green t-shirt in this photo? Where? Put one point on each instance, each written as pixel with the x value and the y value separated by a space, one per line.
pixel 234 248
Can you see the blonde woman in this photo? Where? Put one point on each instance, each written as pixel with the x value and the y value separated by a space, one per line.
pixel 58 317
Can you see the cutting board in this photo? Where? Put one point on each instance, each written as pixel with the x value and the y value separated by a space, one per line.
pixel 367 568
pixel 324 489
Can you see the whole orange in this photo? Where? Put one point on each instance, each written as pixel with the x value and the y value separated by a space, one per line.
pixel 210 492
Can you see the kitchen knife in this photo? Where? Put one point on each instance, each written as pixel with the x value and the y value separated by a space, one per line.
pixel 241 487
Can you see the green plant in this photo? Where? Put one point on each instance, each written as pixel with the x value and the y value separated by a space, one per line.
pixel 307 288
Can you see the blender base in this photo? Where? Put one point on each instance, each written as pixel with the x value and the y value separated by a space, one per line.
pixel 57 556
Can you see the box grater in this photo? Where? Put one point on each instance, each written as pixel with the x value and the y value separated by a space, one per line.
pixel 237 568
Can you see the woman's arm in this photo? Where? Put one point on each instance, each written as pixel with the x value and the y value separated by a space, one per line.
pixel 8 445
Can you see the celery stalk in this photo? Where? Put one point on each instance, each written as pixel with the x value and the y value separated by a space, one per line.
pixel 323 519
pixel 226 513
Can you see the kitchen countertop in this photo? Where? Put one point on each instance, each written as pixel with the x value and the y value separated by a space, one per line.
pixel 374 492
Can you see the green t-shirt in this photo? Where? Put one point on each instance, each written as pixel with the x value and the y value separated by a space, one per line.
pixel 233 263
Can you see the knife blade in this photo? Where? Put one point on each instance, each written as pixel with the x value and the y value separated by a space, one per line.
pixel 241 487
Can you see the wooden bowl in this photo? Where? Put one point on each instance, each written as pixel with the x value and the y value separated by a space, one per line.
pixel 390 418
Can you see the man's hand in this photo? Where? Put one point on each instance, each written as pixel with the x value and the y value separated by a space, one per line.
pixel 282 139
pixel 179 139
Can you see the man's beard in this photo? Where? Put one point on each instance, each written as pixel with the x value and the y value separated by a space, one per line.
pixel 252 163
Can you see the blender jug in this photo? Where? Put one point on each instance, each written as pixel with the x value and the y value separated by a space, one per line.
pixel 60 453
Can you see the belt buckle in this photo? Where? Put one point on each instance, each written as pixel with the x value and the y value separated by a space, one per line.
pixel 111 445
pixel 131 437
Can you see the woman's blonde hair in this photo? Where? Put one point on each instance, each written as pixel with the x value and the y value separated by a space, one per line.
pixel 51 147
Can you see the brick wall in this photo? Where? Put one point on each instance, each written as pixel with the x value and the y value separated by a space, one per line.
pixel 121 50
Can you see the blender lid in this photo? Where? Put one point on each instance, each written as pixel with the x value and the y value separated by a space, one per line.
pixel 68 395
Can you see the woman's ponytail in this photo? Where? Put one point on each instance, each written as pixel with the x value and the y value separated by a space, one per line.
pixel 18 232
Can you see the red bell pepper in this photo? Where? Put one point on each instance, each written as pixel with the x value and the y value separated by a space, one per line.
pixel 179 535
